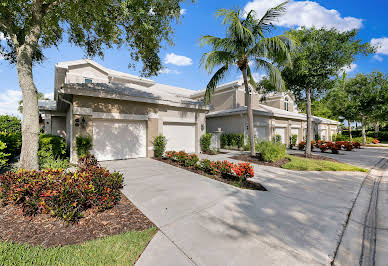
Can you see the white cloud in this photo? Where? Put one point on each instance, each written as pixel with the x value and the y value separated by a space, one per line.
pixel 306 13
pixel 169 71
pixel 378 58
pixel 178 60
pixel 9 102
pixel 256 76
pixel 183 11
pixel 382 45
pixel 350 68
pixel 49 95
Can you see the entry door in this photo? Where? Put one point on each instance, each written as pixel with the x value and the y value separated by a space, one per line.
pixel 119 139
pixel 180 137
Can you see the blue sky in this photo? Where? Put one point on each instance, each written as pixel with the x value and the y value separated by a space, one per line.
pixel 182 60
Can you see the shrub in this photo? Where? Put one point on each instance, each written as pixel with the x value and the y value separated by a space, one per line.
pixel 3 155
pixel 13 141
pixel 224 140
pixel 301 145
pixel 271 151
pixel 277 139
pixel 243 171
pixel 10 124
pixel 160 143
pixel 61 194
pixel 205 142
pixel 51 146
pixel 55 163
pixel 83 145
pixel 293 140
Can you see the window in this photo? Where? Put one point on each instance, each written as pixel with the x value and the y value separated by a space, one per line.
pixel 286 104
pixel 87 81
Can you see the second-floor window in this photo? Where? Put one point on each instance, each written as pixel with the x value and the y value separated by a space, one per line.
pixel 286 104
pixel 87 81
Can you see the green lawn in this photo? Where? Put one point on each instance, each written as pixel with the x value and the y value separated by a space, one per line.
pixel 121 249
pixel 304 164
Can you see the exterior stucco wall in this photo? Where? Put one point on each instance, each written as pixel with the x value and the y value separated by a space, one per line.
pixel 156 115
pixel 228 124
pixel 58 126
pixel 77 74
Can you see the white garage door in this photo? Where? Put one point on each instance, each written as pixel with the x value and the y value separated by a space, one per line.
pixel 282 132
pixel 261 133
pixel 179 137
pixel 295 131
pixel 115 139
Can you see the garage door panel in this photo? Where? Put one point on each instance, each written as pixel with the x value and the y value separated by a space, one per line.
pixel 114 140
pixel 180 137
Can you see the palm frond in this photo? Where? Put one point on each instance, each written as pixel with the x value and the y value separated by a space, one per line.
pixel 217 77
pixel 251 80
pixel 224 44
pixel 275 77
pixel 272 14
pixel 213 59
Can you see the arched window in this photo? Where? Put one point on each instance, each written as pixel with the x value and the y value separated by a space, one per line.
pixel 286 104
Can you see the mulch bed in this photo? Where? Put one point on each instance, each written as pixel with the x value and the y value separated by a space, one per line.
pixel 246 185
pixel 258 160
pixel 47 231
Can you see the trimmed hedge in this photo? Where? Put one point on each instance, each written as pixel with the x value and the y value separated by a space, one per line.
pixel 206 142
pixel 160 143
pixel 62 194
pixel 382 135
pixel 232 140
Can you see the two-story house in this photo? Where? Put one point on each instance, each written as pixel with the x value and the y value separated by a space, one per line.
pixel 274 114
pixel 122 113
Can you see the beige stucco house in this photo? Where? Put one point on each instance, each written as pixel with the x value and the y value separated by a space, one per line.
pixel 274 114
pixel 122 113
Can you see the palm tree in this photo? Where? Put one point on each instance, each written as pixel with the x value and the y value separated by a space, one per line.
pixel 244 46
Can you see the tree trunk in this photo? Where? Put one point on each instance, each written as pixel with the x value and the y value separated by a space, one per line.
pixel 307 152
pixel 363 130
pixel 250 113
pixel 377 128
pixel 30 124
pixel 350 130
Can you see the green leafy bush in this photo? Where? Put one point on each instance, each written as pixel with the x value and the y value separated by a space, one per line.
pixel 271 151
pixel 277 139
pixel 61 194
pixel 51 147
pixel 3 155
pixel 10 124
pixel 55 163
pixel 293 140
pixel 160 143
pixel 232 140
pixel 13 142
pixel 205 142
pixel 83 145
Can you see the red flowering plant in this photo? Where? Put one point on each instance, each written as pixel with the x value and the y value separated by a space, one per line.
pixel 323 147
pixel 243 171
pixel 171 155
pixel 375 141
pixel 356 145
pixel 301 145
pixel 59 193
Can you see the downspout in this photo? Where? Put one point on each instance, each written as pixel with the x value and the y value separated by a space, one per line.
pixel 71 124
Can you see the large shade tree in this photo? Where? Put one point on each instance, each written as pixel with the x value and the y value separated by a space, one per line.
pixel 246 47
pixel 369 94
pixel 319 57
pixel 30 26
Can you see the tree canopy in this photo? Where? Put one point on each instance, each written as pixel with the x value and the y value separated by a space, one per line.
pixel 95 25
pixel 244 46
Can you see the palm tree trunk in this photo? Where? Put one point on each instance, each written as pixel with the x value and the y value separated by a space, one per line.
pixel 307 152
pixel 363 130
pixel 350 130
pixel 250 113
pixel 30 124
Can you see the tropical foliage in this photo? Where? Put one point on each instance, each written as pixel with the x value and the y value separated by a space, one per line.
pixel 247 47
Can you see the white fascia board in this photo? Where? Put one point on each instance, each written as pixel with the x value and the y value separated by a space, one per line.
pixel 109 95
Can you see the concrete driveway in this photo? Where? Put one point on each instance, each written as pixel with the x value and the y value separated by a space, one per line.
pixel 205 222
